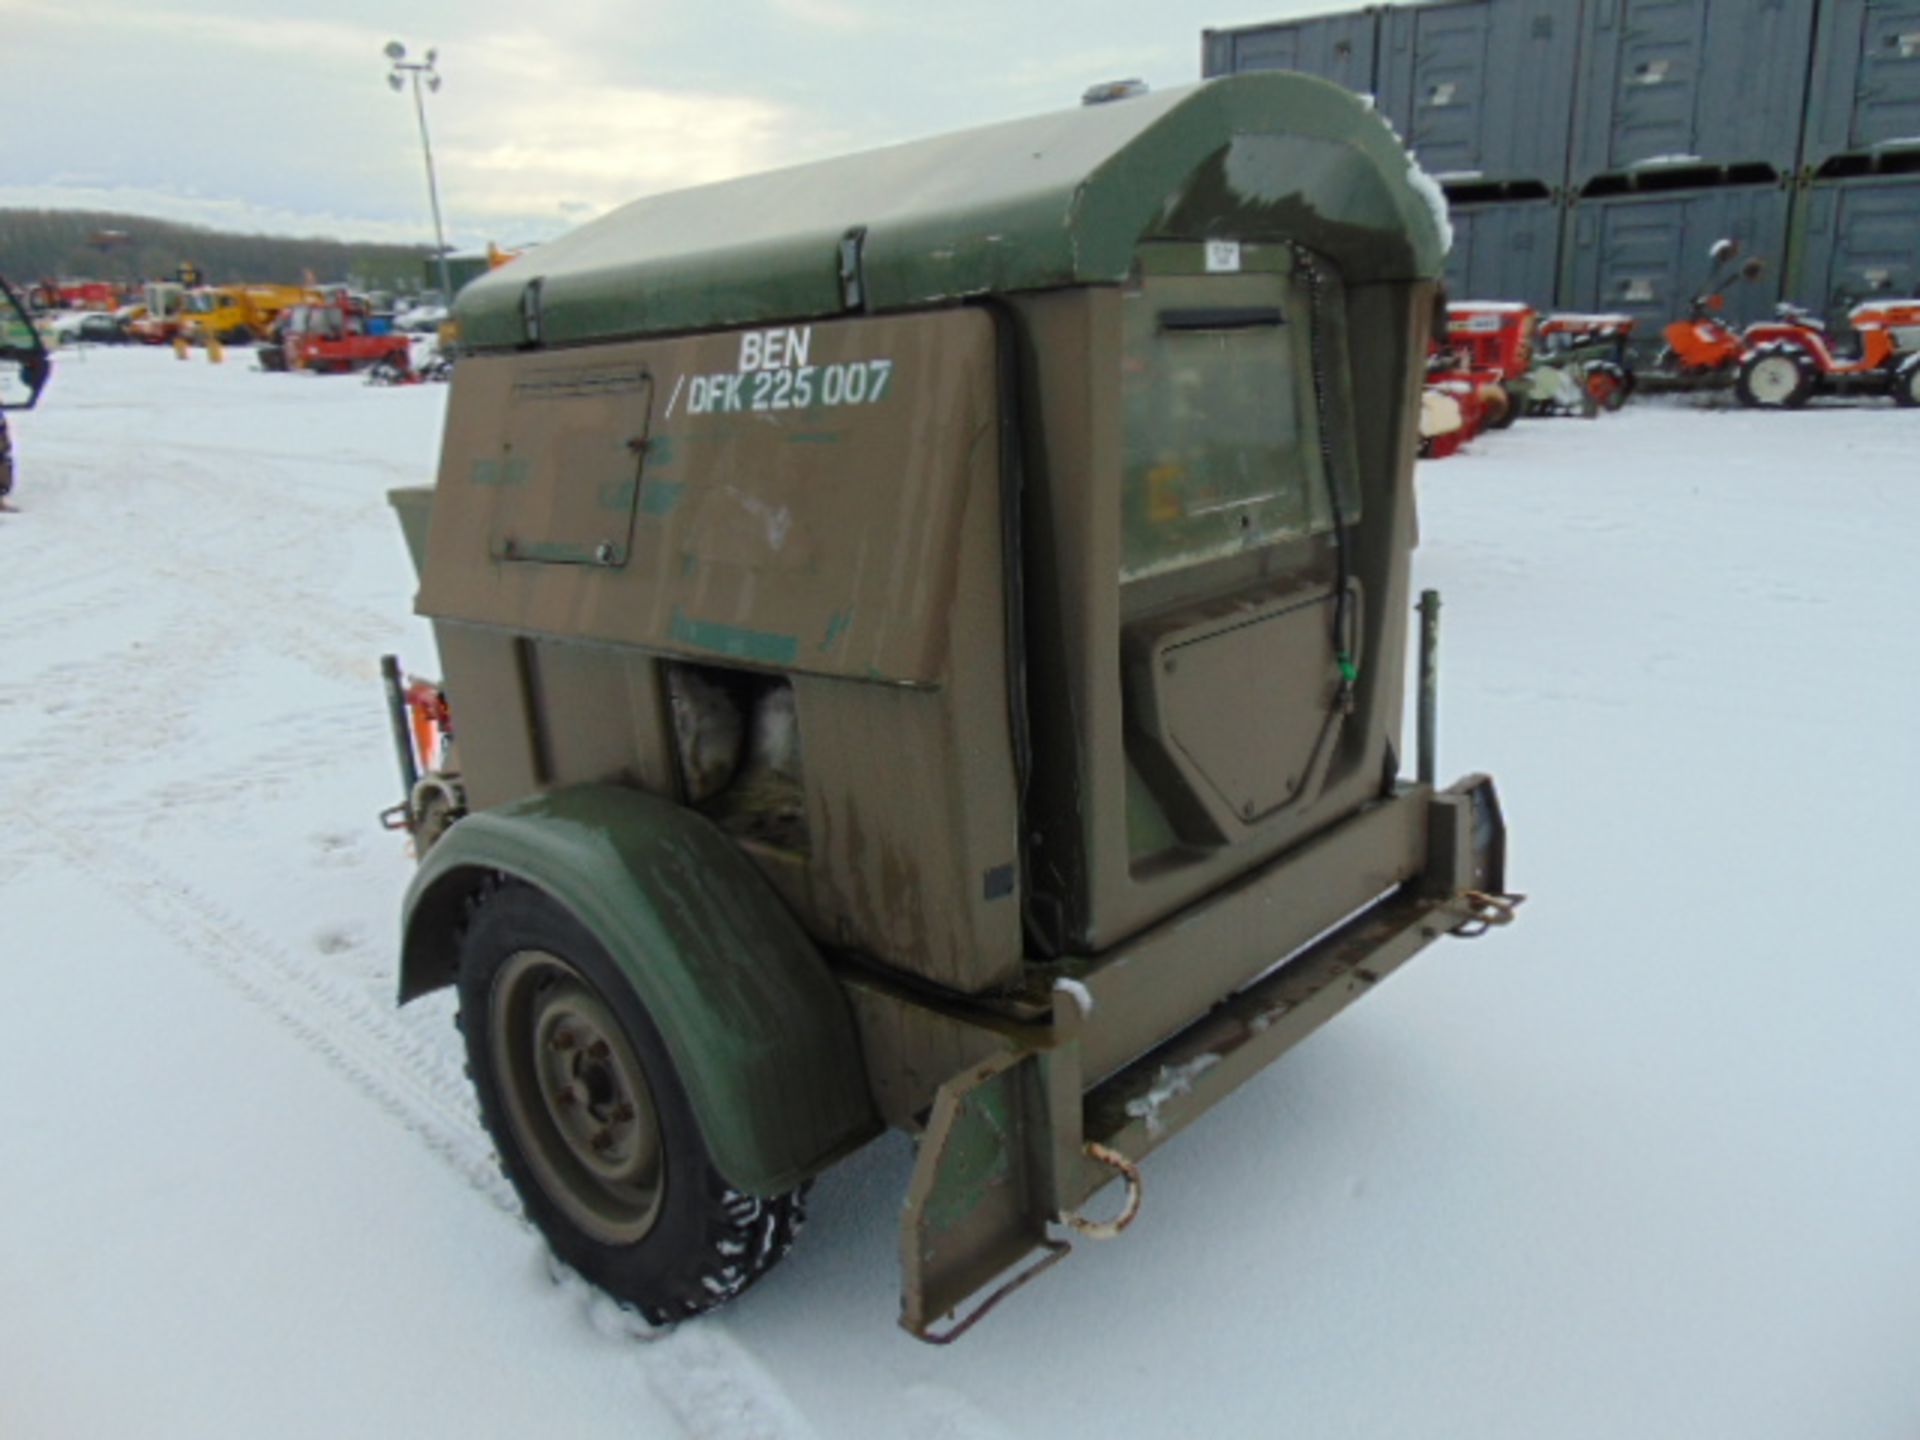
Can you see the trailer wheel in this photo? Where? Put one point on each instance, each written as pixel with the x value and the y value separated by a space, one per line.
pixel 1775 377
pixel 1906 381
pixel 592 1125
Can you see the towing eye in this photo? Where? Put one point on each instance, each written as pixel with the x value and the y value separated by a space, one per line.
pixel 1130 1172
pixel 1486 911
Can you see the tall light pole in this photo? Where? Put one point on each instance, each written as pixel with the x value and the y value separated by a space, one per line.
pixel 402 71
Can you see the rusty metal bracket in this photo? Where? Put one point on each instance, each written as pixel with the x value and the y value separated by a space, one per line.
pixel 978 1205
pixel 1486 912
pixel 1056 1251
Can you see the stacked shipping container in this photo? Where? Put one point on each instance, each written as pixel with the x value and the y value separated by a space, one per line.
pixel 1687 130
pixel 1856 228
pixel 1498 146
pixel 1594 149
pixel 1477 88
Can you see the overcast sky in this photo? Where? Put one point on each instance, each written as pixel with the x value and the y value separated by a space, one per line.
pixel 277 117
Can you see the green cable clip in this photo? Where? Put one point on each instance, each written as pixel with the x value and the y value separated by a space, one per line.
pixel 1349 672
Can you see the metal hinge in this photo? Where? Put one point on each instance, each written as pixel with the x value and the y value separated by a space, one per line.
pixel 853 268
pixel 530 313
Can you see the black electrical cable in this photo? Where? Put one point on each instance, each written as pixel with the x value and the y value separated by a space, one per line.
pixel 1343 597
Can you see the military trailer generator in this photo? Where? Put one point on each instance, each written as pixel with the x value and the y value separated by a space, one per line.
pixel 924 637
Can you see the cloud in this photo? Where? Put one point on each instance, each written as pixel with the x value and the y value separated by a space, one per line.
pixel 828 15
pixel 1061 75
pixel 190 29
pixel 531 135
pixel 559 143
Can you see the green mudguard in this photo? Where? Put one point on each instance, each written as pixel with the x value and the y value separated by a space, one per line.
pixel 758 1028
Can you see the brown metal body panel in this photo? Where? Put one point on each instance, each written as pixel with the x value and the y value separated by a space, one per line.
pixel 769 527
pixel 536 714
pixel 1081 615
pixel 483 672
pixel 1161 981
pixel 853 547
pixel 913 1045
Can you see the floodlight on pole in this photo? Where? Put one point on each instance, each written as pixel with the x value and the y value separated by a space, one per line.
pixel 404 70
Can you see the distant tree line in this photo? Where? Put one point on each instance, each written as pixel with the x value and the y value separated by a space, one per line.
pixel 37 245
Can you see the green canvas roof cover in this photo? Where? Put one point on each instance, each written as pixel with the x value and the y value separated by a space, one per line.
pixel 1054 200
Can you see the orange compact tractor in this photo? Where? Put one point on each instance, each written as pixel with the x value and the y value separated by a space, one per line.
pixel 1791 358
pixel 1701 345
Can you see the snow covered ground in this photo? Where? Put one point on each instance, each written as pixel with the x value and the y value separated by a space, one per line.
pixel 1645 1165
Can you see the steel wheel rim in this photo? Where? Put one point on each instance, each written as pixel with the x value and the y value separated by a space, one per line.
pixel 1773 379
pixel 576 1098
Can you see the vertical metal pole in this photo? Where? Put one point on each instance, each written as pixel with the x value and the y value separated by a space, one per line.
pixel 433 191
pixel 402 736
pixel 1429 681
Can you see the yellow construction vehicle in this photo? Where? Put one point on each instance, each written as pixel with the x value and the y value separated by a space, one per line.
pixel 238 314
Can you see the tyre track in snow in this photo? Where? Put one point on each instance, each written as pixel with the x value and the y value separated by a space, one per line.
pixel 244 569
pixel 386 1059
pixel 221 616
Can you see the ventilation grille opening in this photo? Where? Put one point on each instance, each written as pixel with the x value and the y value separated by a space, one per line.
pixel 737 743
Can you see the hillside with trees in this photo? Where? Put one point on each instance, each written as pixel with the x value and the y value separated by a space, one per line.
pixel 40 245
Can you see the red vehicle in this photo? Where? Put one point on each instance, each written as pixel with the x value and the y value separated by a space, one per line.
pixel 1701 344
pixel 333 339
pixel 83 295
pixel 1791 358
pixel 1493 341
pixel 1475 374
pixel 1452 412
pixel 161 303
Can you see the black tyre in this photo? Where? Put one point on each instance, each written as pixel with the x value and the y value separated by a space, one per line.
pixel 1906 381
pixel 1775 377
pixel 592 1124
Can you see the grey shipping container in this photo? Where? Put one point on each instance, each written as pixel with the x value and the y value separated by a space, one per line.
pixel 1646 255
pixel 1856 239
pixel 1340 48
pixel 1481 90
pixel 1690 82
pixel 1506 251
pixel 1865 94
